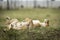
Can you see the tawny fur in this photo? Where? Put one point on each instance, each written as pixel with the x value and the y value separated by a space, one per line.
pixel 33 23
pixel 45 23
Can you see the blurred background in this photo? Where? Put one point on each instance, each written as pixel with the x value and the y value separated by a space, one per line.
pixel 16 4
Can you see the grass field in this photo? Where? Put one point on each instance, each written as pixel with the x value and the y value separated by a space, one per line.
pixel 40 14
pixel 52 14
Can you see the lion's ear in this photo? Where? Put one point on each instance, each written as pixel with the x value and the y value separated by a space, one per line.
pixel 8 18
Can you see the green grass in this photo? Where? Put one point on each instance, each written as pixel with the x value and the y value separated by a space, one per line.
pixel 40 14
pixel 43 33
